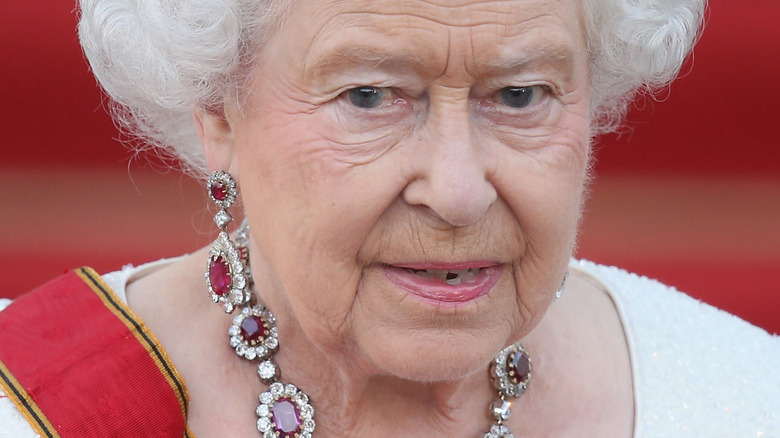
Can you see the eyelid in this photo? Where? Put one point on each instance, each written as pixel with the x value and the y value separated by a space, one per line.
pixel 494 84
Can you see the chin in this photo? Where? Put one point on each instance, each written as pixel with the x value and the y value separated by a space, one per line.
pixel 431 355
pixel 412 338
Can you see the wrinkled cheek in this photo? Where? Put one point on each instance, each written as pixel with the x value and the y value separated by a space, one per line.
pixel 315 262
pixel 547 197
pixel 328 313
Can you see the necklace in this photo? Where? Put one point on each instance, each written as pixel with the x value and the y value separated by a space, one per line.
pixel 284 411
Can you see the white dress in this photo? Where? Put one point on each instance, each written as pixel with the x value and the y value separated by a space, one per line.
pixel 698 371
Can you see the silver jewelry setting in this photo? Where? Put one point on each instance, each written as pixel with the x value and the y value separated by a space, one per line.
pixel 238 292
pixel 559 292
pixel 266 343
pixel 270 407
pixel 510 374
pixel 228 185
pixel 227 277
pixel 505 377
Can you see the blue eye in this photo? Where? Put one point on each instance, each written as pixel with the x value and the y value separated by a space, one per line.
pixel 366 97
pixel 519 97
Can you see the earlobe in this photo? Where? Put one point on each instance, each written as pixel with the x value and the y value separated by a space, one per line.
pixel 216 137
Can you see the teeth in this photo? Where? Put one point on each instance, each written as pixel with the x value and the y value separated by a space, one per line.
pixel 450 277
pixel 454 281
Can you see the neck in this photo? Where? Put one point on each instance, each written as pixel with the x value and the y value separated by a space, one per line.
pixel 356 399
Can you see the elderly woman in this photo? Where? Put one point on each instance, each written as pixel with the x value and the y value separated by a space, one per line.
pixel 411 174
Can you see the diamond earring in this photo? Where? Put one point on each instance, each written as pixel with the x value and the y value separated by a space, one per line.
pixel 227 276
pixel 559 292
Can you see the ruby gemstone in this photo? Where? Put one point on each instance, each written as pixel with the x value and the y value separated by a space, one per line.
pixel 287 420
pixel 252 329
pixel 219 275
pixel 219 191
pixel 521 366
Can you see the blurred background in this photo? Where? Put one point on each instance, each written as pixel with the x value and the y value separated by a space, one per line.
pixel 688 193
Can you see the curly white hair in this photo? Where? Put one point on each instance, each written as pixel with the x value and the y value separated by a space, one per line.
pixel 159 59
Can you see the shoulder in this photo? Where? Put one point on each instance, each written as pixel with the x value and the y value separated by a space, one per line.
pixel 697 369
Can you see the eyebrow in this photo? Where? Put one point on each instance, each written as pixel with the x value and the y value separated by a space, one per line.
pixel 349 56
pixel 532 56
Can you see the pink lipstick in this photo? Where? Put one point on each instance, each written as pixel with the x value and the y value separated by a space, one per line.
pixel 446 282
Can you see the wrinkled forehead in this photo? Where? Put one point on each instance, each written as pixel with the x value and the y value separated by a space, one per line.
pixel 473 34
pixel 455 13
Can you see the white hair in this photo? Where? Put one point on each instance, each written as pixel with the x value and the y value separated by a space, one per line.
pixel 635 46
pixel 160 59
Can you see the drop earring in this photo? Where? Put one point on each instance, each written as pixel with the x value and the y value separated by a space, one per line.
pixel 227 276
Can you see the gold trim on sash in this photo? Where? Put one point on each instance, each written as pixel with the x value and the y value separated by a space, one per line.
pixel 144 336
pixel 26 405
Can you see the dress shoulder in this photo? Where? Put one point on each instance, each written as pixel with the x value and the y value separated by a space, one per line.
pixel 698 371
pixel 12 423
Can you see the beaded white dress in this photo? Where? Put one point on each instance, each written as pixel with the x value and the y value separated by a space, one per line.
pixel 698 371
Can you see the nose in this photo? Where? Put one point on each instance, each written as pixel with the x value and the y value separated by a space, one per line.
pixel 451 170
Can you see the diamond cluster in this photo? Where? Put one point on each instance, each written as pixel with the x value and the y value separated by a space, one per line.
pixel 511 371
pixel 510 374
pixel 498 431
pixel 284 411
pixel 259 342
pixel 222 189
pixel 225 278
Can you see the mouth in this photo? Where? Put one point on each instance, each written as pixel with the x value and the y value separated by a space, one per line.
pixel 453 278
pixel 446 282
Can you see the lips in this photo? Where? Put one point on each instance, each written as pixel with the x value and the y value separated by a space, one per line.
pixel 451 277
pixel 445 282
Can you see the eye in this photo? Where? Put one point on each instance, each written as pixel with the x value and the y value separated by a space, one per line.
pixel 520 97
pixel 369 97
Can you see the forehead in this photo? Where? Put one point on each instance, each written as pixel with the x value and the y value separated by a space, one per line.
pixel 456 13
pixel 467 33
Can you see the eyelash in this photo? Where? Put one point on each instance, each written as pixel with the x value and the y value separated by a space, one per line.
pixel 365 93
pixel 392 108
pixel 539 92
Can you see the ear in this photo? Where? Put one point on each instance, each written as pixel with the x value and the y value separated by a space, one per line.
pixel 216 136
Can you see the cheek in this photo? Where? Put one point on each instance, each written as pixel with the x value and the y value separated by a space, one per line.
pixel 546 178
pixel 310 213
pixel 546 196
pixel 544 188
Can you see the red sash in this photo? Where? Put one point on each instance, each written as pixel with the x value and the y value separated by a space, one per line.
pixel 77 362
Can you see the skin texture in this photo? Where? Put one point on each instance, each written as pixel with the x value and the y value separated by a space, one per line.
pixel 443 170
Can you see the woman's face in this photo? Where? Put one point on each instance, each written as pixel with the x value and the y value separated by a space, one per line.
pixel 413 172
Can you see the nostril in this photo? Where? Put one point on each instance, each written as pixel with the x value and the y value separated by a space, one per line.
pixel 458 202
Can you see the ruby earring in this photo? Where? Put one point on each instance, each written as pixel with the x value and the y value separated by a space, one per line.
pixel 227 273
